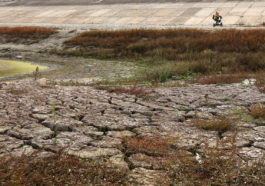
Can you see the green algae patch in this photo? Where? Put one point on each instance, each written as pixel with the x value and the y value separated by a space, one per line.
pixel 11 68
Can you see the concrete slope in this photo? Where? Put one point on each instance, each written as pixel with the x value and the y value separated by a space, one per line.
pixel 178 14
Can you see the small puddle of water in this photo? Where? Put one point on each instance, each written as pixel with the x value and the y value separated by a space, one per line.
pixel 12 68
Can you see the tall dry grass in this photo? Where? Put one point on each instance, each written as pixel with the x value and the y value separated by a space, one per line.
pixel 24 35
pixel 169 53
pixel 27 32
pixel 141 42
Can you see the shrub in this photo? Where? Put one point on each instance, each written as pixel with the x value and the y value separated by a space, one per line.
pixel 216 166
pixel 27 32
pixel 202 67
pixel 28 35
pixel 221 125
pixel 250 62
pixel 139 48
pixel 57 169
pixel 257 111
pixel 151 145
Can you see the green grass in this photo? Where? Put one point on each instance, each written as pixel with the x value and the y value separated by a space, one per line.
pixel 237 111
pixel 227 99
pixel 255 115
pixel 11 68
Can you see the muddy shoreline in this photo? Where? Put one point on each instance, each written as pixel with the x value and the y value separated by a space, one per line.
pixel 63 67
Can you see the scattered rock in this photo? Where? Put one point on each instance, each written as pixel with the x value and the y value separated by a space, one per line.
pixel 19 57
pixel 248 82
pixel 42 82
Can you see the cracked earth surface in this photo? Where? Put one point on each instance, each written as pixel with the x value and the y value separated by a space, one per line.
pixel 92 123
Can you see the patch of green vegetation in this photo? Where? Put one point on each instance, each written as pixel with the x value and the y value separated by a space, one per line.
pixel 227 98
pixel 11 68
pixel 245 85
pixel 184 108
pixel 237 111
pixel 187 76
pixel 247 116
pixel 54 112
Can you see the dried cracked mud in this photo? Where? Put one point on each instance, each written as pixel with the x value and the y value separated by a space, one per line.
pixel 92 123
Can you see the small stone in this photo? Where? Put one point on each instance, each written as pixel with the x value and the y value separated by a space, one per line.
pixel 42 82
pixel 40 117
pixel 19 57
pixel 190 114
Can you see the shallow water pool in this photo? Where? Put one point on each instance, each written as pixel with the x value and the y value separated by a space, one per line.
pixel 12 68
